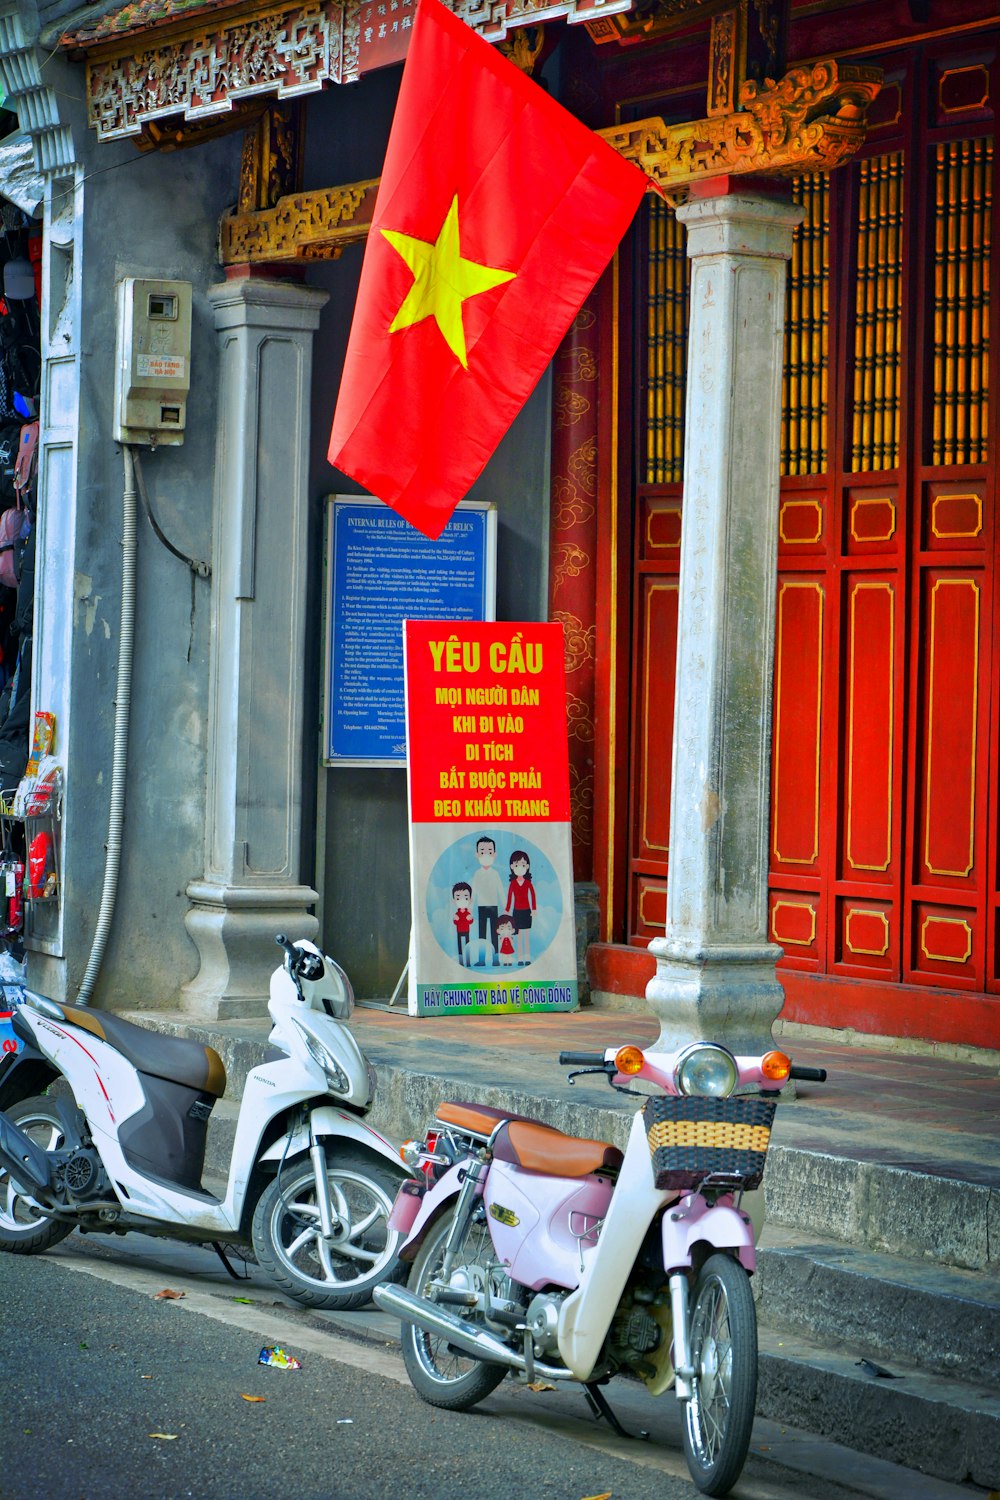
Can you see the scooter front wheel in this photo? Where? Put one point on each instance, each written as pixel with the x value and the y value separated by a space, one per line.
pixel 25 1227
pixel 719 1416
pixel 337 1271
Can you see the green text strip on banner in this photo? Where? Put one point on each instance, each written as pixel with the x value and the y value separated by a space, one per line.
pixel 491 867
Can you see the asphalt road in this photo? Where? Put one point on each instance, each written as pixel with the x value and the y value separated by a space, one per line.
pixel 109 1393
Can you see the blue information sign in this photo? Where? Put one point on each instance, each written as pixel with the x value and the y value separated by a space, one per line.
pixel 380 572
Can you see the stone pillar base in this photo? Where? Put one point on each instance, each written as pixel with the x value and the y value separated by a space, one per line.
pixel 726 995
pixel 234 929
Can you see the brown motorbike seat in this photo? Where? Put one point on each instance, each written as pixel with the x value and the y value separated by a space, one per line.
pixel 176 1058
pixel 479 1119
pixel 539 1148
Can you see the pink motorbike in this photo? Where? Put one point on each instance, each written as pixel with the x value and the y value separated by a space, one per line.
pixel 558 1258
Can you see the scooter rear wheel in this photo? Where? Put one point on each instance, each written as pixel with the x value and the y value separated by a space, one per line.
pixel 719 1416
pixel 439 1373
pixel 25 1227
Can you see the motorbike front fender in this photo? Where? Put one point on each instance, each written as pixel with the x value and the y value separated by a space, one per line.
pixel 433 1203
pixel 334 1125
pixel 691 1222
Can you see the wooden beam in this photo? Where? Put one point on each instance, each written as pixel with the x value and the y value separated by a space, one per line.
pixel 300 227
pixel 811 120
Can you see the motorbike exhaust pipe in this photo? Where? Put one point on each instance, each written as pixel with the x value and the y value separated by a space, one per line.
pixel 478 1342
pixel 26 1164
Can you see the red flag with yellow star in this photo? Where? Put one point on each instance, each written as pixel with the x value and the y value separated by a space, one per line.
pixel 496 213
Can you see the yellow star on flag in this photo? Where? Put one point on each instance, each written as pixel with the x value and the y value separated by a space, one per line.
pixel 442 280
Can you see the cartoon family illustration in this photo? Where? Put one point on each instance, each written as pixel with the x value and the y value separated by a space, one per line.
pixel 505 917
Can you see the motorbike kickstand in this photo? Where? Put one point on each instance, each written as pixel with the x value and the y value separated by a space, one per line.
pixel 225 1261
pixel 598 1404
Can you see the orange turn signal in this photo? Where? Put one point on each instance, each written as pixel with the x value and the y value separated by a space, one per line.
pixel 629 1059
pixel 775 1066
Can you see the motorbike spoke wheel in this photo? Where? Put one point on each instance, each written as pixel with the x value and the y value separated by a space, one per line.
pixel 439 1372
pixel 25 1227
pixel 339 1271
pixel 719 1416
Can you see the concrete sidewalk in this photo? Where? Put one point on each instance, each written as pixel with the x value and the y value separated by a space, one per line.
pixel 896 1151
pixel 903 1108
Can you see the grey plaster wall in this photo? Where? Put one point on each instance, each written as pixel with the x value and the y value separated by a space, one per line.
pixel 153 215
pixel 361 854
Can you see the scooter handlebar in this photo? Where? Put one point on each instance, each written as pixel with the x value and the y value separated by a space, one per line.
pixel 596 1060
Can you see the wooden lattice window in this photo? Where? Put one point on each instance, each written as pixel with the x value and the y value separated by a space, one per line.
pixel 805 389
pixel 877 315
pixel 668 294
pixel 963 194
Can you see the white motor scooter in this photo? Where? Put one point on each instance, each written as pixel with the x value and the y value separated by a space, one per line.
pixel 123 1147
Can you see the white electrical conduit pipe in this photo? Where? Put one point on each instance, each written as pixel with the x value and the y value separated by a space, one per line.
pixel 119 756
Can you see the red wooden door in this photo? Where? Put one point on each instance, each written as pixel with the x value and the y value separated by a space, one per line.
pixel 885 805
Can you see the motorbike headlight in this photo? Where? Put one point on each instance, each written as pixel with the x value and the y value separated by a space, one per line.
pixel 706 1068
pixel 333 1072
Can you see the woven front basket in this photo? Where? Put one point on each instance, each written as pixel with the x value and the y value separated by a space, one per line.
pixel 694 1138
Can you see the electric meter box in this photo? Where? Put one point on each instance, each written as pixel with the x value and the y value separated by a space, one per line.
pixel 153 372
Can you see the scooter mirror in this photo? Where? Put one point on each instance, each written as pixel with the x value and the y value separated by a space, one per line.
pixel 310 966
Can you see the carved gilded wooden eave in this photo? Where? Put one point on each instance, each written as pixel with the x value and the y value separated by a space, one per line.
pixel 163 80
pixel 811 120
pixel 300 227
pixel 191 76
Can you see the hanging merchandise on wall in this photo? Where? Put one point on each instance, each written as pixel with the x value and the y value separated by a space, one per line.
pixel 29 853
pixel 17 573
pixel 20 344
pixel 20 378
pixel 38 785
pixel 12 981
pixel 11 892
pixel 16 521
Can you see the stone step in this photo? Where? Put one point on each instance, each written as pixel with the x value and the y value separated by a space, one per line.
pixel 847 1193
pixel 220 1140
pixel 888 1307
pixel 823 1176
pixel 946 1427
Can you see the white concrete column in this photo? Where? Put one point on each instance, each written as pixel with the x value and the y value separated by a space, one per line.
pixel 715 971
pixel 251 888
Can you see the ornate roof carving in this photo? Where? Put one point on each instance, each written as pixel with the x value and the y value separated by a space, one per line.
pixel 193 59
pixel 810 120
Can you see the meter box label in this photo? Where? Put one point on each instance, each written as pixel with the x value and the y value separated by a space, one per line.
pixel 161 367
pixel 153 370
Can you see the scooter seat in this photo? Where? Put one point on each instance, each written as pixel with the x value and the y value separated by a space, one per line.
pixel 172 1057
pixel 539 1148
pixel 477 1119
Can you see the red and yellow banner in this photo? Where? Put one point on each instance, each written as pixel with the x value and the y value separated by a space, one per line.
pixel 490 856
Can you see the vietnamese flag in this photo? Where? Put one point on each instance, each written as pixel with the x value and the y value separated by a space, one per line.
pixel 496 213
